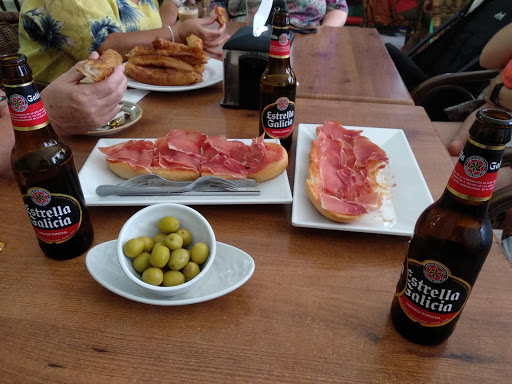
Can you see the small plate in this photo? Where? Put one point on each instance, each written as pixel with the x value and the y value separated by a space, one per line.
pixel 213 73
pixel 408 192
pixel 134 114
pixel 231 269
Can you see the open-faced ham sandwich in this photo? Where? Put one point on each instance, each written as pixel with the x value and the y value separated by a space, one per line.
pixel 343 166
pixel 188 154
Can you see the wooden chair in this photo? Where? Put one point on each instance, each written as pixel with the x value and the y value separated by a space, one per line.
pixel 203 7
pixel 9 7
pixel 449 89
pixel 433 91
pixel 9 40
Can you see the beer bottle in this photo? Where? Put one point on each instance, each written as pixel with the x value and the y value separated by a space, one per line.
pixel 452 238
pixel 44 168
pixel 278 84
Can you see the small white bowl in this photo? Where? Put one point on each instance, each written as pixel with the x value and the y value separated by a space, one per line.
pixel 145 222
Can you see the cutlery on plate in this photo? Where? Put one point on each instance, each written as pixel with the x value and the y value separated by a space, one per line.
pixel 209 185
pixel 109 190
pixel 152 180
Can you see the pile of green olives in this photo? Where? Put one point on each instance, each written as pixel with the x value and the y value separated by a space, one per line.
pixel 167 259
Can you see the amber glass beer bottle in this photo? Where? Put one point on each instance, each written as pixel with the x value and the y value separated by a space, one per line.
pixel 452 238
pixel 278 84
pixel 44 168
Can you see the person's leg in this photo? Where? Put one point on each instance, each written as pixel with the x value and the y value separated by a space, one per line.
pixel 456 144
pixel 411 74
pixel 447 130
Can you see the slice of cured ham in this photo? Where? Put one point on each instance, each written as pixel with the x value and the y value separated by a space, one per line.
pixel 187 154
pixel 342 173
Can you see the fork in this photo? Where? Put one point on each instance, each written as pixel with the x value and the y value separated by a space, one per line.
pixel 152 180
pixel 205 185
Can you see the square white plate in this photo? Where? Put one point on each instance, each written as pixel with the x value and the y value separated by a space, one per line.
pixel 96 172
pixel 408 192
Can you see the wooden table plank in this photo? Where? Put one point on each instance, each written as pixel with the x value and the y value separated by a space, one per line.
pixel 349 63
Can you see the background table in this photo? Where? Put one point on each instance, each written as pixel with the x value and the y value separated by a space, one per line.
pixel 349 63
pixel 316 309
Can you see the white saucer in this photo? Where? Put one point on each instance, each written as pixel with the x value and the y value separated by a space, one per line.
pixel 231 269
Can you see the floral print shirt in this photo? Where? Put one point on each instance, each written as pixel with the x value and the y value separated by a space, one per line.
pixel 55 34
pixel 302 12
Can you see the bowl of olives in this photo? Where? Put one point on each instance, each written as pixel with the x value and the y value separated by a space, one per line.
pixel 166 248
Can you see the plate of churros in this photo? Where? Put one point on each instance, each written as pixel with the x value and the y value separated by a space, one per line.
pixel 172 67
pixel 213 73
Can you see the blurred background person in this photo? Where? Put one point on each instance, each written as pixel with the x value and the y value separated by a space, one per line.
pixel 54 34
pixel 303 13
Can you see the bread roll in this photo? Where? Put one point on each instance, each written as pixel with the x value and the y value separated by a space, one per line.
pixel 99 69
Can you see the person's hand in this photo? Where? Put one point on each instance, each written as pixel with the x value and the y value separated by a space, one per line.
pixel 4 109
pixel 504 97
pixel 75 107
pixel 212 38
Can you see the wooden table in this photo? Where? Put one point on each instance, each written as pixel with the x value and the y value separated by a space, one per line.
pixel 348 63
pixel 316 309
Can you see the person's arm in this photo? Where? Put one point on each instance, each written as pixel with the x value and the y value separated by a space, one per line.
pixel 503 98
pixel 336 13
pixel 123 42
pixel 498 51
pixel 335 18
pixel 75 108
pixel 169 12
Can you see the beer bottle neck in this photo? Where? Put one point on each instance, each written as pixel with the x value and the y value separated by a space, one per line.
pixel 280 38
pixel 474 175
pixel 25 106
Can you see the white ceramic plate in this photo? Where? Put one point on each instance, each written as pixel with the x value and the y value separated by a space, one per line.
pixel 96 172
pixel 231 269
pixel 408 192
pixel 134 113
pixel 213 73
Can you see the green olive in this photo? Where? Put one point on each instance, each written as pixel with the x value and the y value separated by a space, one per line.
pixel 153 276
pixel 159 238
pixel 172 278
pixel 159 256
pixel 168 224
pixel 179 258
pixel 148 243
pixel 173 241
pixel 190 270
pixel 199 253
pixel 141 262
pixel 133 247
pixel 186 235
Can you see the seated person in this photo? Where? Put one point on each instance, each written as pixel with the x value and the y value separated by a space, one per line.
pixel 496 54
pixel 54 35
pixel 303 13
pixel 73 107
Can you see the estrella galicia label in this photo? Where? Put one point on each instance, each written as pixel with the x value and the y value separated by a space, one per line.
pixel 277 118
pixel 280 44
pixel 475 173
pixel 429 294
pixel 25 106
pixel 55 218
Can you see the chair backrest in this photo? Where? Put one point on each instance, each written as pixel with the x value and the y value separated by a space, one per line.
pixel 12 5
pixel 9 39
pixel 457 44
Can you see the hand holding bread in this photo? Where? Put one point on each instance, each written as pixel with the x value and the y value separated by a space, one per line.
pixel 99 69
